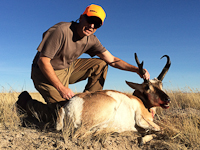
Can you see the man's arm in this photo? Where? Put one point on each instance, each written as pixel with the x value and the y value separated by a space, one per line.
pixel 48 71
pixel 120 64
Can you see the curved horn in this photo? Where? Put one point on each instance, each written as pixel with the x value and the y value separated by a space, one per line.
pixel 165 69
pixel 140 66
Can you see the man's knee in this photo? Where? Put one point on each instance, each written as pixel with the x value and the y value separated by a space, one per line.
pixel 101 67
pixel 103 63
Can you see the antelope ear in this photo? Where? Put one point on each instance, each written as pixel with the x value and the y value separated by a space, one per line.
pixel 135 86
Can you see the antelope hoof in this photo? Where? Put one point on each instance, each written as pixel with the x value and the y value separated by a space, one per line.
pixel 140 142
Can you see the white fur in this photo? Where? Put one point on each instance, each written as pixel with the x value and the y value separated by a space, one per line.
pixel 154 80
pixel 125 113
pixel 124 118
pixel 74 110
pixel 60 119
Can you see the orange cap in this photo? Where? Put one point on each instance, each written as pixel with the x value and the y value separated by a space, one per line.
pixel 95 10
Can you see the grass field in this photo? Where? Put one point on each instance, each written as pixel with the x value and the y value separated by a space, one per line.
pixel 180 124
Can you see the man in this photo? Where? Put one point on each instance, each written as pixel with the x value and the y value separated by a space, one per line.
pixel 55 65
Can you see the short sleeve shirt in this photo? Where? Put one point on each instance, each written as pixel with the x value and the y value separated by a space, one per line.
pixel 62 45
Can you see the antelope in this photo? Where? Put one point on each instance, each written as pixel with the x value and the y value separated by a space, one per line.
pixel 117 111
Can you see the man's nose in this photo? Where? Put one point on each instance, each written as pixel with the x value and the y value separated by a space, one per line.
pixel 92 26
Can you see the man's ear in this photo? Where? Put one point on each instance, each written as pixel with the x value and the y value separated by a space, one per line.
pixel 81 16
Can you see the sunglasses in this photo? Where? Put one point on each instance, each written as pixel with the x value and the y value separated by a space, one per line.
pixel 93 20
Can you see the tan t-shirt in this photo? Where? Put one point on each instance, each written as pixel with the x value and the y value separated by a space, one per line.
pixel 63 45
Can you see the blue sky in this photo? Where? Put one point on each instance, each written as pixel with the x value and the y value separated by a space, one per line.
pixel 149 28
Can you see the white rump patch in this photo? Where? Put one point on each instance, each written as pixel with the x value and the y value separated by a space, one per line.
pixel 74 110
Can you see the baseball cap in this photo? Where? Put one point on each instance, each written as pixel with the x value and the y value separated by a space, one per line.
pixel 96 11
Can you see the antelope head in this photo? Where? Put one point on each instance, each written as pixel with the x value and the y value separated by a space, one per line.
pixel 150 91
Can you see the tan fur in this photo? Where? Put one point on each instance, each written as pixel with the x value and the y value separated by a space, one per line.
pixel 99 109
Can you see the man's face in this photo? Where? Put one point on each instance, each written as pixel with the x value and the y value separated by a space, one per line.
pixel 89 25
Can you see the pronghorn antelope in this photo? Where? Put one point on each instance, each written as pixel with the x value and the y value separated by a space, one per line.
pixel 117 111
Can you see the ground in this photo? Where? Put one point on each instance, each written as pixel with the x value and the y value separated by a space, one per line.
pixel 32 139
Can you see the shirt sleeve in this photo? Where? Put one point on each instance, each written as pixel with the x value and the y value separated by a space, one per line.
pixel 96 47
pixel 51 42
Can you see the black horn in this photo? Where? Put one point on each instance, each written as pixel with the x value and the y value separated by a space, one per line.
pixel 140 66
pixel 165 69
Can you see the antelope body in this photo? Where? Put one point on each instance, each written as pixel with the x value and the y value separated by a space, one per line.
pixel 117 111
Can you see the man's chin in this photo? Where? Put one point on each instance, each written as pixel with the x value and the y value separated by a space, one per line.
pixel 87 33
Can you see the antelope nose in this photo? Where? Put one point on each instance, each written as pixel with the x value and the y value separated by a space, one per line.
pixel 167 100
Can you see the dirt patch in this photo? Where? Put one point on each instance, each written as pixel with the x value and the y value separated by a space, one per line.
pixel 31 139
pixel 27 138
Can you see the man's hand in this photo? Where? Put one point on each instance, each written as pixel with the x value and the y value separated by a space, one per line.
pixel 48 71
pixel 145 76
pixel 120 64
pixel 66 93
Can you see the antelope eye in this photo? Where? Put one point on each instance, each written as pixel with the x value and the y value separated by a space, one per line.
pixel 146 87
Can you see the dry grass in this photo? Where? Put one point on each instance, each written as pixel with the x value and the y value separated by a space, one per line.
pixel 180 124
